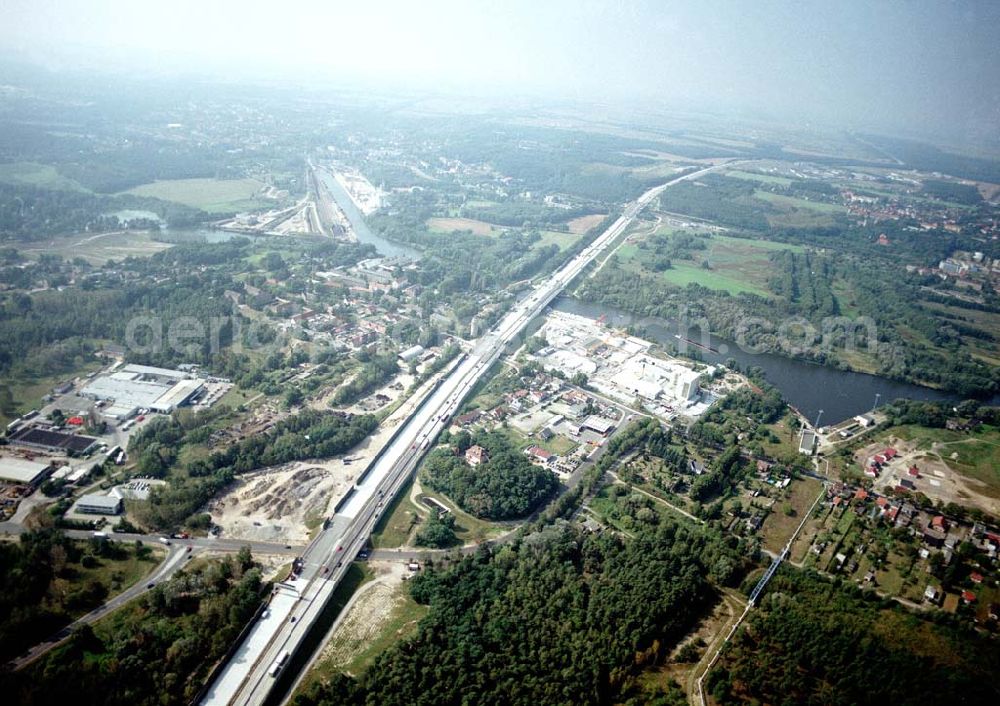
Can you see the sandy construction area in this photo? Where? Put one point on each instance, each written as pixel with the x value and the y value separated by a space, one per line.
pixel 285 503
pixel 281 504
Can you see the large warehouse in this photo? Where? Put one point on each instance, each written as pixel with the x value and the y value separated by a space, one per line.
pixel 53 441
pixel 135 387
pixel 23 472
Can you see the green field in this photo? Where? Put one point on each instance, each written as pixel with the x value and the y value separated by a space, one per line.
pixel 799 213
pixel 737 264
pixel 97 249
pixel 555 237
pixel 40 175
pixel 212 195
pixel 395 526
pixel 762 178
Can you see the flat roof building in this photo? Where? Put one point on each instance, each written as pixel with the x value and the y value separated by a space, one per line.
pixel 54 441
pixel 22 471
pixel 602 425
pixel 93 504
pixel 135 387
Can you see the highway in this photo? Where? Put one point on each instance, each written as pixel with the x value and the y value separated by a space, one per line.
pixel 248 677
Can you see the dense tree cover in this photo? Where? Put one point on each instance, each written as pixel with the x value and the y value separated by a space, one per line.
pixel 764 405
pixel 28 568
pixel 813 641
pixel 157 650
pixel 508 485
pixel 953 191
pixel 377 370
pixel 49 332
pixel 438 531
pixel 561 617
pixel 726 200
pixel 31 213
pixel 928 158
pixel 524 213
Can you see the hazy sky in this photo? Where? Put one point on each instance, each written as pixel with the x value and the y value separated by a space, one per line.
pixel 920 65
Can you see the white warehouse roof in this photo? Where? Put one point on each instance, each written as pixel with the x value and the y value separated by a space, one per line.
pixel 18 470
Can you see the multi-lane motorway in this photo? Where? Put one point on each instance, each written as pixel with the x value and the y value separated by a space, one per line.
pixel 251 672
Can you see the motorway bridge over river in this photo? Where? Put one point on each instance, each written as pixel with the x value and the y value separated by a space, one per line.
pixel 271 644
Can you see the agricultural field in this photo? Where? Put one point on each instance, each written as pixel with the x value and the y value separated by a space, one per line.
pixel 212 195
pixel 737 264
pixel 555 237
pixel 798 213
pixel 758 177
pixel 42 176
pixel 451 225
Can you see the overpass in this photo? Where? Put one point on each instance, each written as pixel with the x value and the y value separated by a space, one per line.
pixel 248 677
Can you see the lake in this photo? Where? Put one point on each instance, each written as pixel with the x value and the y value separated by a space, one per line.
pixel 806 386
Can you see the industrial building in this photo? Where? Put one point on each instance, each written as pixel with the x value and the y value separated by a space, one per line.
pixel 654 378
pixel 94 504
pixel 411 354
pixel 23 472
pixel 53 440
pixel 134 387
pixel 621 366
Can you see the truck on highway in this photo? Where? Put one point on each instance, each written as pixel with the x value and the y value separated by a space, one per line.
pixel 278 664
pixel 100 535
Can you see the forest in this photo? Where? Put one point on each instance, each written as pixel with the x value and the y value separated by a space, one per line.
pixel 506 486
pixel 817 642
pixel 560 617
pixel 29 570
pixel 157 650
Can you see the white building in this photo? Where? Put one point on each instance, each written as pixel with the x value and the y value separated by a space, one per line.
pixel 94 504
pixel 18 470
pixel 136 387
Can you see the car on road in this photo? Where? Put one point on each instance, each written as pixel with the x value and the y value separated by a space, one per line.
pixel 150 584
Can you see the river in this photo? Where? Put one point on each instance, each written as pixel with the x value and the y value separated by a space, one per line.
pixel 806 386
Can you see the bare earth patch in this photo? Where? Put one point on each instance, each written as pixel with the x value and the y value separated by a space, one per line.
pixel 280 504
pixel 937 480
pixel 584 223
